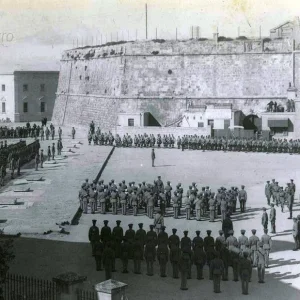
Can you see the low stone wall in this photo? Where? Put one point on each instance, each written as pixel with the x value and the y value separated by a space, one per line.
pixel 176 131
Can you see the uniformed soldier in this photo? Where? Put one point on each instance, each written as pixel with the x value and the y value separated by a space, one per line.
pixel 264 219
pixel 268 192
pixel 199 259
pixel 93 235
pixel 168 189
pixel 174 258
pixel 295 234
pixel 242 198
pixel 261 262
pixel 153 157
pixel 49 153
pixel 174 239
pixel 212 208
pixel 98 253
pixel 149 255
pixel 188 208
pixel 209 244
pixel 130 236
pixel 197 240
pixel 113 200
pixel 267 246
pixel 73 133
pixel 243 241
pixel 42 158
pixel 175 205
pixel 163 257
pixel 185 242
pixel 151 235
pixel 184 267
pixel 141 235
pixel 105 233
pixel 223 208
pixel 226 258
pixel 108 256
pixel 150 205
pixel 245 270
pixel 118 237
pixel 227 226
pixel 253 240
pixel 53 151
pixel 273 218
pixel 162 237
pixel 217 267
pixel 220 240
pixel 137 255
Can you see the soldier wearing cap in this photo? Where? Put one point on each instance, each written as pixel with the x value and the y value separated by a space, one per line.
pixel 289 192
pixel 118 236
pixel 197 240
pixel 253 240
pixel 220 240
pixel 267 246
pixel 188 208
pixel 261 262
pixel 209 244
pixel 153 157
pixel 273 218
pixel 93 235
pixel 92 199
pixel 264 218
pixel 150 205
pixel 242 198
pixel 223 207
pixel 212 208
pixel 175 205
pixel 162 237
pixel 168 190
pixel 275 192
pixel 105 233
pixel 98 253
pixel 130 236
pixel 243 241
pixel 141 235
pixel 268 192
pixel 174 238
pixel 151 235
pixel 293 186
pixel 199 257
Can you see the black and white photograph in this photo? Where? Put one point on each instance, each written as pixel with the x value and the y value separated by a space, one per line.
pixel 149 149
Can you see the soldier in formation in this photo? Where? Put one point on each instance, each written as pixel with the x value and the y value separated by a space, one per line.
pixel 218 254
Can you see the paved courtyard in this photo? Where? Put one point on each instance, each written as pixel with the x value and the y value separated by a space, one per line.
pixel 55 200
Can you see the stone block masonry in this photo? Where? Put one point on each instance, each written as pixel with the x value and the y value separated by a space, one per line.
pixel 96 83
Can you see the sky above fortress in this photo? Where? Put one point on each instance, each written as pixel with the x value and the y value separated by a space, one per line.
pixel 35 32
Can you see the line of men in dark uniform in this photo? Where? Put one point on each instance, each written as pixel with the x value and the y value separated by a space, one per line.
pixel 218 253
pixel 145 197
pixel 194 142
pixel 14 156
pixel 28 131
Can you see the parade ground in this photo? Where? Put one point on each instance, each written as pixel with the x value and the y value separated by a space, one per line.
pixel 55 200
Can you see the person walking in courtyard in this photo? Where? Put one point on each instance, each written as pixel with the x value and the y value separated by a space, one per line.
pixel 153 157
pixel 273 218
pixel 264 219
pixel 267 246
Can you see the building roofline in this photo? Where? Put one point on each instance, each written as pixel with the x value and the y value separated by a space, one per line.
pixel 6 74
pixel 281 25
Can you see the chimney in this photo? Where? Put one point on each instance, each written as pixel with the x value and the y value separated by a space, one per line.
pixel 216 36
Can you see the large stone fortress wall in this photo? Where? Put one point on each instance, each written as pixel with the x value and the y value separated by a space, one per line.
pixel 98 82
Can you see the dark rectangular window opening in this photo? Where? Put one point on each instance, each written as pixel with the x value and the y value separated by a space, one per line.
pixel 3 87
pixel 3 107
pixel 42 107
pixel 130 122
pixel 42 87
pixel 25 107
pixel 25 87
pixel 200 124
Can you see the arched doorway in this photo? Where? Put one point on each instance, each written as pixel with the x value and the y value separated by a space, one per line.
pixel 252 122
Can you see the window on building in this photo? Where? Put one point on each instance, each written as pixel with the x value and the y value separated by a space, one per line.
pixel 25 107
pixel 200 124
pixel 130 122
pixel 25 87
pixel 42 87
pixel 42 107
pixel 3 107
pixel 3 87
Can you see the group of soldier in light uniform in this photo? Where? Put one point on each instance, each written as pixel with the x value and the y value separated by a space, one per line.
pixel 195 142
pixel 142 198
pixel 218 253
